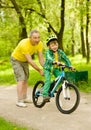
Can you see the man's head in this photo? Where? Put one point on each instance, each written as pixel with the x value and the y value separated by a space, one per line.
pixel 52 43
pixel 34 37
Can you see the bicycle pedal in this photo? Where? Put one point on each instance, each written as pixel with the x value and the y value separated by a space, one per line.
pixel 46 100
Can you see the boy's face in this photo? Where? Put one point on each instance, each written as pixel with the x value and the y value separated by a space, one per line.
pixel 53 45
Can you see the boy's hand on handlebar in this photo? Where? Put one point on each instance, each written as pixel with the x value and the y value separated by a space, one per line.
pixel 63 65
pixel 72 68
pixel 54 62
pixel 57 63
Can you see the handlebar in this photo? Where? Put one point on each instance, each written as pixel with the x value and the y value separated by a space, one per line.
pixel 64 66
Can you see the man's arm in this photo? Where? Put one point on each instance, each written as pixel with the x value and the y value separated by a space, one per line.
pixel 41 58
pixel 33 64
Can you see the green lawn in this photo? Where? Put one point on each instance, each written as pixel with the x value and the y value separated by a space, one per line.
pixel 80 64
pixel 6 125
pixel 7 76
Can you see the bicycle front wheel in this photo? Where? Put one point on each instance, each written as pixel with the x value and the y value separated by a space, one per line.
pixel 37 94
pixel 68 102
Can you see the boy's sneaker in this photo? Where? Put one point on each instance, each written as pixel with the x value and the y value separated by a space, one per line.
pixel 46 98
pixel 21 104
pixel 27 100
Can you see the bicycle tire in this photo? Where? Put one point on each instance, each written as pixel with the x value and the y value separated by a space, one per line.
pixel 37 98
pixel 74 100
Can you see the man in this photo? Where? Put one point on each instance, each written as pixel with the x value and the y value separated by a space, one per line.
pixel 20 58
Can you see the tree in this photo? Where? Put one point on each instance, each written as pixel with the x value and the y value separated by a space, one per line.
pixel 60 34
pixel 87 24
pixel 82 28
pixel 69 21
pixel 22 32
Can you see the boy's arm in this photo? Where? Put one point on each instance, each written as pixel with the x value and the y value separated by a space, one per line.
pixel 65 59
pixel 49 58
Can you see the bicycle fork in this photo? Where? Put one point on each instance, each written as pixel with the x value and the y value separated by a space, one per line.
pixel 66 91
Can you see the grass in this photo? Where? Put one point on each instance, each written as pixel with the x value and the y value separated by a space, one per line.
pixel 6 125
pixel 80 64
pixel 7 76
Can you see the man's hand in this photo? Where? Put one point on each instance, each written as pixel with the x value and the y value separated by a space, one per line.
pixel 41 72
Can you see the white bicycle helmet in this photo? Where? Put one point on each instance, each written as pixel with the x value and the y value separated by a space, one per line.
pixel 51 38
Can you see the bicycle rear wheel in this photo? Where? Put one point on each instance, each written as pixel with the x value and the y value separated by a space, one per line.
pixel 37 96
pixel 68 104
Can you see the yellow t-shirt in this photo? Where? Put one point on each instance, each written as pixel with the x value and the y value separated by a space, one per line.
pixel 56 56
pixel 25 47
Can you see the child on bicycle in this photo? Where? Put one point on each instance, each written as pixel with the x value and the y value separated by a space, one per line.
pixel 53 55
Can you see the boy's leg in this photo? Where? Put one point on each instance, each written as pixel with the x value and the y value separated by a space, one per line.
pixel 47 83
pixel 56 72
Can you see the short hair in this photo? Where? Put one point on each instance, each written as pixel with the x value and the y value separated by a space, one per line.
pixel 33 31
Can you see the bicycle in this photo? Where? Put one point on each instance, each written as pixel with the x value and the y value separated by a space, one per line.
pixel 67 94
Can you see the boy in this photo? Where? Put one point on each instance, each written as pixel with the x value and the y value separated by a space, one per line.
pixel 54 54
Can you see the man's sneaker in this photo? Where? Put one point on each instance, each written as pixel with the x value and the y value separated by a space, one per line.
pixel 21 104
pixel 46 98
pixel 27 100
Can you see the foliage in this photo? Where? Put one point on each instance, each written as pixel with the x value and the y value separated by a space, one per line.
pixel 40 14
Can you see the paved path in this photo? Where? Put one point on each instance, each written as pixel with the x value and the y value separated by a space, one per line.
pixel 46 118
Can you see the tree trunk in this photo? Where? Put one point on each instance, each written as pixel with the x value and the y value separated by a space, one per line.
pixel 22 28
pixel 60 34
pixel 87 23
pixel 82 40
pixel 72 38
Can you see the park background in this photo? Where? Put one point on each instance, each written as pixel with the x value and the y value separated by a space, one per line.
pixel 69 20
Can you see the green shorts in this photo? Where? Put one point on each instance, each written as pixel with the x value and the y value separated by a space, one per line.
pixel 21 69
